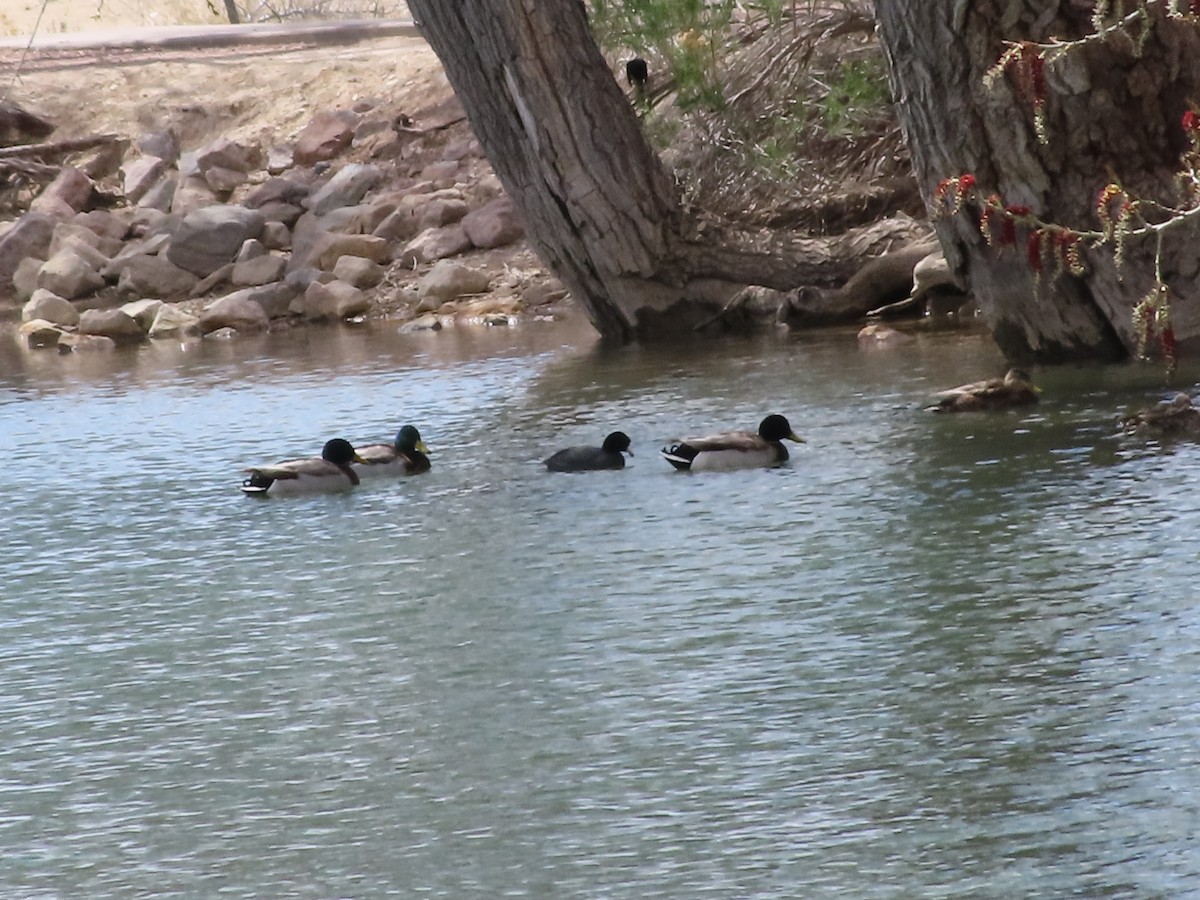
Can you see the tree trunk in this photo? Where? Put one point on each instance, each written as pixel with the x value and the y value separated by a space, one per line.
pixel 1110 115
pixel 598 205
pixel 231 11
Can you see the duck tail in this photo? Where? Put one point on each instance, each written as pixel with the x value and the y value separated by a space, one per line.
pixel 679 455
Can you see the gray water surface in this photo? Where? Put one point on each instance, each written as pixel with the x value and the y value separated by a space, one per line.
pixel 931 657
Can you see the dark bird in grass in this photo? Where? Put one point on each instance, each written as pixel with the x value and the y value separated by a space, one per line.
pixel 1014 389
pixel 609 455
pixel 404 456
pixel 1174 418
pixel 734 449
pixel 330 472
pixel 637 73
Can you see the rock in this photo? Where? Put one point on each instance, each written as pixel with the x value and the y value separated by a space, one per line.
pixel 276 236
pixel 25 278
pixel 72 187
pixel 76 236
pixel 141 174
pixel 329 248
pixel 209 238
pixel 144 312
pixel 162 144
pixel 346 188
pixel 224 181
pixel 435 244
pixel 161 196
pixel 275 298
pixel 85 343
pixel 39 333
pixel 494 225
pixel 236 311
pixel 449 280
pixel 227 154
pixel 69 275
pixel 335 300
pixel 279 159
pixel 876 336
pixel 439 211
pixel 192 193
pixel 258 270
pixel 111 323
pixel 152 276
pixel 204 285
pixel 105 223
pixel 328 134
pixel 277 190
pixel 251 249
pixel 362 273
pixel 400 225
pixel 442 173
pixel 284 213
pixel 427 322
pixel 171 320
pixel 29 236
pixel 47 306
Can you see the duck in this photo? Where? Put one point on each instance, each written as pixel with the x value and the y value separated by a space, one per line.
pixel 609 455
pixel 329 472
pixel 731 450
pixel 1014 389
pixel 1177 417
pixel 405 456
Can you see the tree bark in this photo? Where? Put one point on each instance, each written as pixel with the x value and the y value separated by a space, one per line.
pixel 1111 114
pixel 598 205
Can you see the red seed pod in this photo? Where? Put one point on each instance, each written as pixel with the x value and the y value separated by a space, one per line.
pixel 1033 250
pixel 1191 121
pixel 1008 232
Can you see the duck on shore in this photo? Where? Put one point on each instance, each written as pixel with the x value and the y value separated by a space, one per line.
pixel 329 472
pixel 1014 389
pixel 609 455
pixel 404 456
pixel 730 450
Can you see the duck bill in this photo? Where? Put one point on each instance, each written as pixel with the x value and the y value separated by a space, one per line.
pixel 420 445
pixel 795 437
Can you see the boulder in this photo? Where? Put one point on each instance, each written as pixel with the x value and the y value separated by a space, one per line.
pixel 335 300
pixel 47 306
pixel 279 160
pixel 29 236
pixel 448 280
pixel 329 248
pixel 85 343
pixel 399 225
pixel 162 144
pixel 161 197
pixel 357 271
pixel 434 244
pixel 111 323
pixel 72 188
pixel 346 188
pixel 105 223
pixel 237 311
pixel 192 193
pixel 227 154
pixel 494 225
pixel 328 134
pixel 439 211
pixel 274 298
pixel 171 321
pixel 144 312
pixel 25 278
pixel 209 238
pixel 442 173
pixel 251 249
pixel 151 276
pixel 76 236
pixel 258 270
pixel 69 275
pixel 39 333
pixel 224 181
pixel 276 236
pixel 277 190
pixel 205 285
pixel 141 174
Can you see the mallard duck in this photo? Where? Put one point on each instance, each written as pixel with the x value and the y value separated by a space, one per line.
pixel 406 456
pixel 1014 389
pixel 1173 418
pixel 734 449
pixel 609 455
pixel 330 472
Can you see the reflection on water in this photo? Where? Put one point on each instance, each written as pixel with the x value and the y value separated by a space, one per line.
pixel 934 656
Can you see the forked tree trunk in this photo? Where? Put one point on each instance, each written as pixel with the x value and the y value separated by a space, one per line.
pixel 1110 114
pixel 599 207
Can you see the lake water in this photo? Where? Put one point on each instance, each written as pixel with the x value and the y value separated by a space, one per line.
pixel 933 656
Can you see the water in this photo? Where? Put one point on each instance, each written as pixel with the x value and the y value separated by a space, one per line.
pixel 934 656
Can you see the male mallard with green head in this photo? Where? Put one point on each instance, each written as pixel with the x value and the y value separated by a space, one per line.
pixel 1014 389
pixel 405 456
pixel 731 450
pixel 330 472
pixel 609 455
